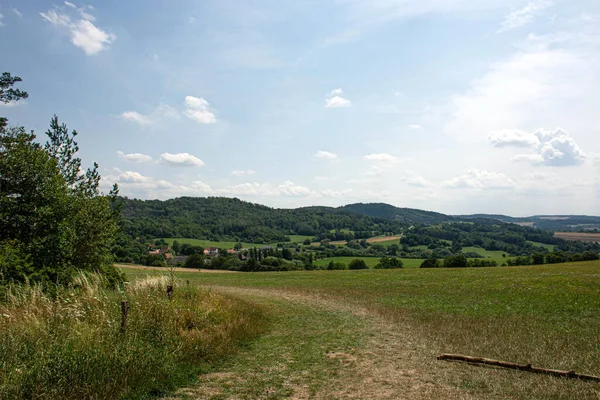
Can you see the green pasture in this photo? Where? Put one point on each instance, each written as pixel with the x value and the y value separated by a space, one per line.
pixel 370 261
pixel 550 247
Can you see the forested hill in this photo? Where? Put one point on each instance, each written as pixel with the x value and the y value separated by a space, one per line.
pixel 406 215
pixel 220 218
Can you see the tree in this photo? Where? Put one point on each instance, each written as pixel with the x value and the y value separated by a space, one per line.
pixel 389 263
pixel 194 261
pixel 238 246
pixel 8 94
pixel 358 264
pixel 51 212
pixel 176 247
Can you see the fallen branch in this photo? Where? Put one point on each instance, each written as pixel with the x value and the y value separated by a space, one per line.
pixel 520 367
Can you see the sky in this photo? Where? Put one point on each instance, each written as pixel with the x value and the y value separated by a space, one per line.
pixel 455 106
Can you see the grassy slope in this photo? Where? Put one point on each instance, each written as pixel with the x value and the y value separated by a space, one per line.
pixel 550 247
pixel 494 255
pixel 546 315
pixel 210 243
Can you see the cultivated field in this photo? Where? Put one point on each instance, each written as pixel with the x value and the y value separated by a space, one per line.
pixel 585 237
pixel 375 334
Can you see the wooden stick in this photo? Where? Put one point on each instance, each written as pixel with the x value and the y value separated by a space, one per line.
pixel 520 367
pixel 124 314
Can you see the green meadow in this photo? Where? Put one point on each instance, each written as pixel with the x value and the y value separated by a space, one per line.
pixel 545 315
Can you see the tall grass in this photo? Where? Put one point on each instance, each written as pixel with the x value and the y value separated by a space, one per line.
pixel 69 345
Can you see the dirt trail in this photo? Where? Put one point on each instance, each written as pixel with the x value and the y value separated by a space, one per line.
pixel 390 364
pixel 166 269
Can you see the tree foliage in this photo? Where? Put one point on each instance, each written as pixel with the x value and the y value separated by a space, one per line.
pixel 53 218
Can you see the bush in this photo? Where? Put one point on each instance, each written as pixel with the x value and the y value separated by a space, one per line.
pixel 336 266
pixel 457 261
pixel 358 264
pixel 389 263
pixel 431 263
pixel 306 242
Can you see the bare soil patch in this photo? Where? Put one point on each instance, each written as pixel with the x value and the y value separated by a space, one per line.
pixel 585 237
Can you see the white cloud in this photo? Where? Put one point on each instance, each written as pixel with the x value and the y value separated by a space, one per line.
pixel 523 16
pixel 134 157
pixel 181 159
pixel 68 4
pixel 287 188
pixel 382 157
pixel 337 102
pixel 326 155
pixel 201 187
pixel 133 177
pixel 56 19
pixel 415 126
pixel 84 34
pixel 192 20
pixel 162 111
pixel 198 109
pixel 417 181
pixel 530 158
pixel 553 148
pixel 374 170
pixel 136 117
pixel 241 172
pixel 476 179
pixel 91 39
pixel 1 17
pixel 13 103
pixel 19 13
pixel 513 137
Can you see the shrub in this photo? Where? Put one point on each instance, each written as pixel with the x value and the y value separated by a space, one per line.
pixel 336 265
pixel 195 261
pixel 457 261
pixel 431 263
pixel 389 263
pixel 358 264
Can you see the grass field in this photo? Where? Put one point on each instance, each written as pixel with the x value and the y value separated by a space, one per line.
pixel 370 261
pixel 546 315
pixel 550 247
pixel 494 255
pixel 299 238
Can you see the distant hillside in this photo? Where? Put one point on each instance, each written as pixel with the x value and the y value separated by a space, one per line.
pixel 406 215
pixel 556 223
pixel 220 218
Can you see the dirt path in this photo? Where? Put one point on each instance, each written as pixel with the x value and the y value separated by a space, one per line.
pixel 319 348
pixel 166 269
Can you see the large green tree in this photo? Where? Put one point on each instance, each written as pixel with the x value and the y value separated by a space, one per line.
pixel 53 218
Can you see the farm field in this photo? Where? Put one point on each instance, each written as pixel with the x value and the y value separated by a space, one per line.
pixel 584 236
pixel 546 315
pixel 299 238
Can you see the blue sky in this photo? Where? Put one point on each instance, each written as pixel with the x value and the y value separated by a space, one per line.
pixel 457 106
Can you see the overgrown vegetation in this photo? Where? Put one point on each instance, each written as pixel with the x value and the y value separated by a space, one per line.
pixel 70 345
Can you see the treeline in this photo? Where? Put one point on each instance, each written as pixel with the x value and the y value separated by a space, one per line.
pixel 555 257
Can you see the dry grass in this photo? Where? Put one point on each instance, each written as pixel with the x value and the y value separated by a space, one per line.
pixel 69 345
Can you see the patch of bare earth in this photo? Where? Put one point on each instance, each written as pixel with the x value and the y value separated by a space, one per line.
pixel 391 364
